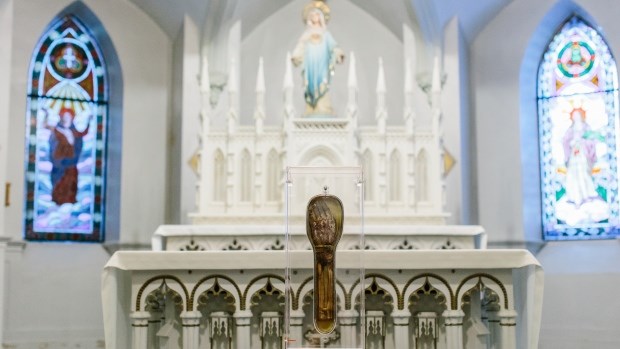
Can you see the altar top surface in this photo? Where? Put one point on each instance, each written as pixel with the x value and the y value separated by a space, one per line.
pixel 419 259
pixel 213 237
pixel 369 229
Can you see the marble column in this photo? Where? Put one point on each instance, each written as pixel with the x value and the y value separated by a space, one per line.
pixel 401 320
pixel 494 329
pixel 348 327
pixel 453 320
pixel 296 321
pixel 508 327
pixel 155 323
pixel 139 329
pixel 190 321
pixel 243 321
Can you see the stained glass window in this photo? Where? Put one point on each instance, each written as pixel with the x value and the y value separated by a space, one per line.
pixel 66 136
pixel 578 121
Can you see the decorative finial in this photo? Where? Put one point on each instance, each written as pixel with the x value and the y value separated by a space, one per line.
pixel 381 85
pixel 325 190
pixel 436 77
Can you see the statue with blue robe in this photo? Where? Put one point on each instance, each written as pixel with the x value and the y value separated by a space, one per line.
pixel 318 53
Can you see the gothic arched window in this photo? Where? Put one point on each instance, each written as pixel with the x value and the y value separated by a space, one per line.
pixel 368 177
pixel 246 176
pixel 219 176
pixel 395 174
pixel 577 113
pixel 66 136
pixel 274 170
pixel 421 176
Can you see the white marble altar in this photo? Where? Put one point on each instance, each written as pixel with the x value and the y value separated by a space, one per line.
pixel 228 291
pixel 415 297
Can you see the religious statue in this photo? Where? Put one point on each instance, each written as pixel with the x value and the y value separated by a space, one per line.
pixel 579 143
pixel 318 52
pixel 324 218
pixel 65 148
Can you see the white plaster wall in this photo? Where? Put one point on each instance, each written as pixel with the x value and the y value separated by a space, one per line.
pixel 175 134
pixel 505 118
pixel 455 122
pixel 6 31
pixel 54 288
pixel 580 307
pixel 190 114
pixel 53 296
pixel 184 124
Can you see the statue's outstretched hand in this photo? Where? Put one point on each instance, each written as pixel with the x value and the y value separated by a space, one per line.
pixel 297 60
pixel 340 58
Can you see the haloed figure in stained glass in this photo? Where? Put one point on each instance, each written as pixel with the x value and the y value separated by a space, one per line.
pixel 65 149
pixel 66 136
pixel 580 155
pixel 578 113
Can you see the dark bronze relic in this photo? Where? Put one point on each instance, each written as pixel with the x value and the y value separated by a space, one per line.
pixel 324 218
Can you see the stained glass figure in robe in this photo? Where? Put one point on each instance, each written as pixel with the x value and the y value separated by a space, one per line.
pixel 66 136
pixel 578 111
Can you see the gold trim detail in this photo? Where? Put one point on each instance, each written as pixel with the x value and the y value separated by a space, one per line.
pixel 216 276
pixel 427 289
pixel 194 162
pixel 162 277
pixel 448 162
pixel 252 282
pixel 371 276
pixel 401 305
pixel 480 275
pixel 7 194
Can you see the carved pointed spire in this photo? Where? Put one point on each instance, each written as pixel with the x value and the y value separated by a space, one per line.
pixel 381 78
pixel 408 113
pixel 381 108
pixel 287 89
pixel 205 83
pixel 436 84
pixel 410 46
pixel 260 77
pixel 408 76
pixel 352 78
pixel 233 90
pixel 352 85
pixel 436 80
pixel 259 109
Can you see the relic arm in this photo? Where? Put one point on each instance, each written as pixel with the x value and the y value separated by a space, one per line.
pixel 324 228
